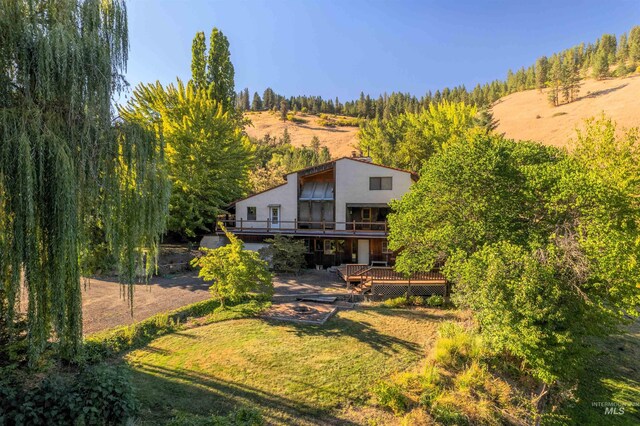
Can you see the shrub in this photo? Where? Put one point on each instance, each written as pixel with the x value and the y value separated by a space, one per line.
pixel 390 396
pixel 445 411
pixel 435 301
pixel 397 302
pixel 298 120
pixel 284 254
pixel 326 123
pixel 234 271
pixel 99 395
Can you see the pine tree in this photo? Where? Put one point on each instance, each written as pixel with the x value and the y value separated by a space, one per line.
pixel 601 64
pixel 555 76
pixel 634 43
pixel 542 72
pixel 256 103
pixel 283 110
pixel 315 144
pixel 245 100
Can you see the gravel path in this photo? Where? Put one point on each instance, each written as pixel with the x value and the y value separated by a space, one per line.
pixel 104 306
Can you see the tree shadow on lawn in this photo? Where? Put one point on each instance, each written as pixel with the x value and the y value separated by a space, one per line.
pixel 362 331
pixel 164 392
pixel 425 314
pixel 612 375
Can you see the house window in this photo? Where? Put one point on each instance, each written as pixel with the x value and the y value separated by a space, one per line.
pixel 366 214
pixel 385 247
pixel 308 245
pixel 380 183
pixel 251 213
pixel 329 247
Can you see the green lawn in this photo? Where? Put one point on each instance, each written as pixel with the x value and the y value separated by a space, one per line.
pixel 292 373
pixel 613 376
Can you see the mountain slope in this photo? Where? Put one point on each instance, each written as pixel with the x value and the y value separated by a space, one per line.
pixel 518 112
pixel 340 140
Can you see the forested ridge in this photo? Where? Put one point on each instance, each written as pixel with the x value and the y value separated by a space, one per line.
pixel 609 55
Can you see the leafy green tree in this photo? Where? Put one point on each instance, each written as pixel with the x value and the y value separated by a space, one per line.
pixel 207 154
pixel 284 254
pixel 541 245
pixel 199 61
pixel 233 271
pixel 67 167
pixel 408 140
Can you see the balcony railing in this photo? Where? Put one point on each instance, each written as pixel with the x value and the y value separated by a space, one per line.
pixel 305 227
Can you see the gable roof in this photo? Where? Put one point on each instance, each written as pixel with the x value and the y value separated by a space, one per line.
pixel 414 175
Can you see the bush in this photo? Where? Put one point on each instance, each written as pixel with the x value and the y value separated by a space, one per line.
pixel 99 395
pixel 239 417
pixel 284 254
pixel 397 302
pixel 435 301
pixel 390 396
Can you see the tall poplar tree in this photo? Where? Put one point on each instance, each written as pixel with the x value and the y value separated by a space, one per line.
pixel 65 164
pixel 220 71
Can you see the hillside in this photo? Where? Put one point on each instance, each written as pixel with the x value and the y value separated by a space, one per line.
pixel 340 140
pixel 518 112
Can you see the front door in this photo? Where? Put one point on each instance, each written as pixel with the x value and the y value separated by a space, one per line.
pixel 274 216
pixel 363 252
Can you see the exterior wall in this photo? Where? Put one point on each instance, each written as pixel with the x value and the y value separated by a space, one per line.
pixel 352 186
pixel 286 196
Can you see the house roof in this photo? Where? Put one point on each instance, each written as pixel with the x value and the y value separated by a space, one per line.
pixel 414 175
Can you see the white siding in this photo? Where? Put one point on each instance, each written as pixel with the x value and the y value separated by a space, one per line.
pixel 352 185
pixel 285 196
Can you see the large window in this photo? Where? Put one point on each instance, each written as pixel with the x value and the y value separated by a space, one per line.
pixel 251 213
pixel 380 183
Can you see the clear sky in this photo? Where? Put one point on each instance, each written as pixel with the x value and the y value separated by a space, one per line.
pixel 341 47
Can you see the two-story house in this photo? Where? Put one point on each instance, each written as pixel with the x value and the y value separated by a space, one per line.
pixel 338 208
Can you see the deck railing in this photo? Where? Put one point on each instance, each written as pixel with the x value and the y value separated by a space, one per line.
pixel 300 226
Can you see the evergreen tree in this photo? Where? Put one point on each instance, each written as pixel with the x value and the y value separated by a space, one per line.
pixel 601 65
pixel 315 144
pixel 542 73
pixel 555 77
pixel 245 100
pixel 283 110
pixel 634 43
pixel 256 103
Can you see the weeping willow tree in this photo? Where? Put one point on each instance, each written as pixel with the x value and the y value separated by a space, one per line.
pixel 66 164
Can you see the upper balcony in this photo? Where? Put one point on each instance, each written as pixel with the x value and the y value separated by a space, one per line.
pixel 366 229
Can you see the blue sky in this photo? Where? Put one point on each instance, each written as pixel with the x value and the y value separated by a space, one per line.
pixel 339 48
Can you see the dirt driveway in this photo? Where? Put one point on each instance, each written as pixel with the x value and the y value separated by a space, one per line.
pixel 104 306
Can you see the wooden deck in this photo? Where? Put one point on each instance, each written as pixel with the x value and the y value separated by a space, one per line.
pixel 367 279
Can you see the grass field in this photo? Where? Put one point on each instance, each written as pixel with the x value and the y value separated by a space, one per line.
pixel 292 373
pixel 613 376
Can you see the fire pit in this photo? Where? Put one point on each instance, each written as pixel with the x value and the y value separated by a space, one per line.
pixel 302 312
pixel 303 309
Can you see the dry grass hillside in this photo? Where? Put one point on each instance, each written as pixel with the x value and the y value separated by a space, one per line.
pixel 518 113
pixel 340 140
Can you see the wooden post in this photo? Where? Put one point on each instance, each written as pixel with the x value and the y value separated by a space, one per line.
pixel 295 225
pixel 323 228
pixel 354 226
pixel 241 224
